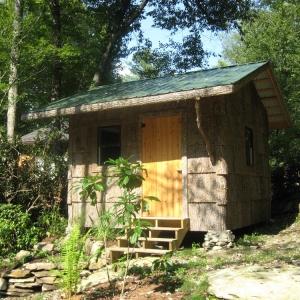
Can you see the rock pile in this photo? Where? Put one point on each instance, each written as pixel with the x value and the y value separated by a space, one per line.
pixel 31 278
pixel 36 277
pixel 217 240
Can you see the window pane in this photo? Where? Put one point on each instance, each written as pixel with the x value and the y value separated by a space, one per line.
pixel 109 143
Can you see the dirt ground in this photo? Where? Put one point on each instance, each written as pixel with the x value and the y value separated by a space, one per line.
pixel 281 235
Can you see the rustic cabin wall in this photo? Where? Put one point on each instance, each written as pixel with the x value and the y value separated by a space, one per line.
pixel 249 196
pixel 83 150
pixel 207 186
pixel 228 194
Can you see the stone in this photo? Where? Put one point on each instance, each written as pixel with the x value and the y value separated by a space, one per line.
pixel 40 266
pixel 206 244
pixel 49 287
pixel 220 243
pixel 26 285
pixel 3 284
pixel 44 247
pixel 46 280
pixel 95 279
pixel 97 246
pixel 97 264
pixel 85 273
pixel 88 246
pixel 216 248
pixel 18 273
pixel 14 294
pixel 39 274
pixel 13 289
pixel 255 282
pixel 22 254
pixel 17 280
pixel 229 245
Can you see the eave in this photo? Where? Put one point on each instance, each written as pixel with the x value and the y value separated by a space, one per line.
pixel 214 82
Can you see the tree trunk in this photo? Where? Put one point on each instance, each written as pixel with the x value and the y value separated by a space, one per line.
pixel 57 71
pixel 120 28
pixel 14 71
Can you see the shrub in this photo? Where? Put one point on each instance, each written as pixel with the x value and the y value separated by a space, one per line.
pixel 17 232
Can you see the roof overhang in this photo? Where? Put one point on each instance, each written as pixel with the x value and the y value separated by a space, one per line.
pixel 262 77
pixel 86 108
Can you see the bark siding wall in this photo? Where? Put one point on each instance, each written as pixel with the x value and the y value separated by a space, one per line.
pixel 228 194
pixel 224 195
pixel 83 149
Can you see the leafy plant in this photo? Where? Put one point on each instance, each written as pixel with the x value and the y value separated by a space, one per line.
pixel 104 229
pixel 128 176
pixel 89 186
pixel 162 264
pixel 17 231
pixel 140 271
pixel 71 261
pixel 51 221
pixel 123 215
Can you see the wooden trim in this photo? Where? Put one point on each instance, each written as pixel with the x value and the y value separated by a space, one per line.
pixel 269 99
pixel 280 100
pixel 185 212
pixel 261 80
pixel 249 77
pixel 266 90
pixel 86 108
pixel 278 125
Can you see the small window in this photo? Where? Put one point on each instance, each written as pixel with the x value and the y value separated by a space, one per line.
pixel 249 146
pixel 109 143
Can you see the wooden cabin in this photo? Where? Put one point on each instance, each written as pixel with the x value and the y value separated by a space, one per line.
pixel 202 136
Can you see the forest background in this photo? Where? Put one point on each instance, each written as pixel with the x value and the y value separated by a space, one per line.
pixel 51 49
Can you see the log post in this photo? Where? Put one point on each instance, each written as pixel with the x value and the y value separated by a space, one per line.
pixel 204 135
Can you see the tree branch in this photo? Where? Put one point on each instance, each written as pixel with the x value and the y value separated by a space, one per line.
pixel 115 35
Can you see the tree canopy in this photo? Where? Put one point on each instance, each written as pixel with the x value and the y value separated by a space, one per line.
pixel 83 41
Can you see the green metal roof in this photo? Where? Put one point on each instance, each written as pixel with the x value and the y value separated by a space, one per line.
pixel 161 89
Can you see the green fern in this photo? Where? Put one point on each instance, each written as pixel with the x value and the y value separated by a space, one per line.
pixel 71 261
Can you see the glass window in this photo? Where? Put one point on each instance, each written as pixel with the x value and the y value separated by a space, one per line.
pixel 109 143
pixel 249 146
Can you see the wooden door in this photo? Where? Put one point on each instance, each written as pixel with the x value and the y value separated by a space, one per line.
pixel 161 155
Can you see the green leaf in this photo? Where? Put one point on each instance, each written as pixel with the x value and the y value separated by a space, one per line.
pixel 99 187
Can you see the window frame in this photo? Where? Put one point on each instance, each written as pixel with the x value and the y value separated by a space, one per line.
pixel 249 146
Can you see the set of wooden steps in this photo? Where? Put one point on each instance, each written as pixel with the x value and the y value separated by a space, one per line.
pixel 164 236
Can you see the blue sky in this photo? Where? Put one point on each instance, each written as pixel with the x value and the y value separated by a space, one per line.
pixel 210 41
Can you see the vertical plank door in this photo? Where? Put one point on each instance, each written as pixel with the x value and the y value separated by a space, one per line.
pixel 161 155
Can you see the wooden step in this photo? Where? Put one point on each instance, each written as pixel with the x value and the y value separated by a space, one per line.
pixel 117 252
pixel 147 242
pixel 163 230
pixel 167 222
